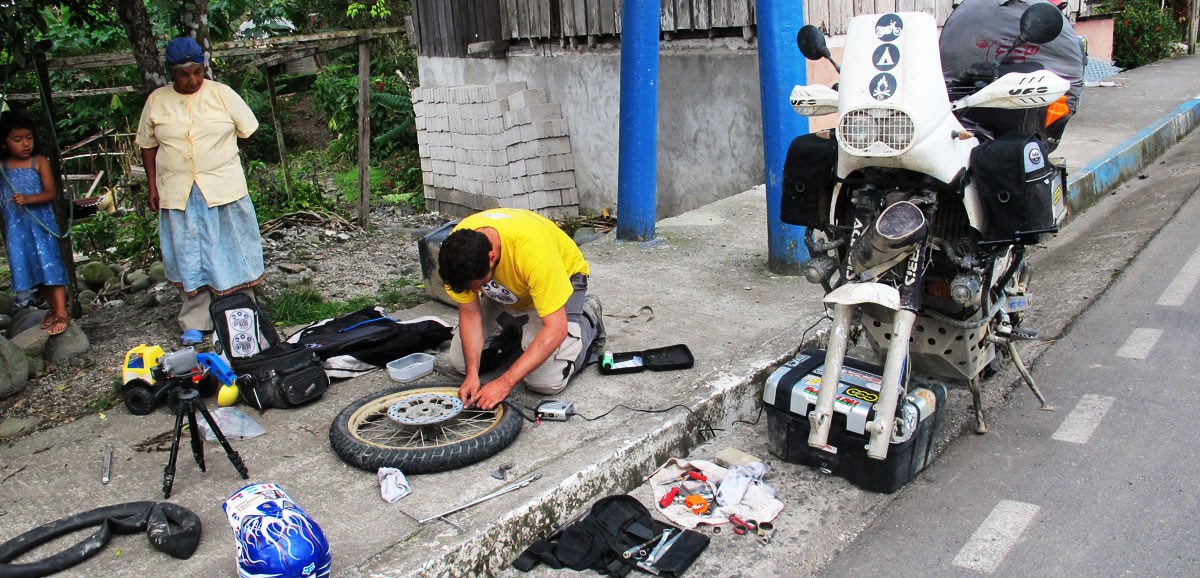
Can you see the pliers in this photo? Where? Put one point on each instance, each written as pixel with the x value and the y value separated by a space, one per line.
pixel 741 526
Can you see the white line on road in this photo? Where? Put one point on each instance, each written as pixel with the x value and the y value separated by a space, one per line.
pixel 1139 343
pixel 1083 420
pixel 996 536
pixel 1183 284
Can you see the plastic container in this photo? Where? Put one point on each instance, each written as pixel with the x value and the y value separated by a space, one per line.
pixel 410 367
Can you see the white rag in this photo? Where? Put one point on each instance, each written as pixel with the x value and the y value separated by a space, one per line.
pixel 393 485
pixel 739 479
pixel 758 502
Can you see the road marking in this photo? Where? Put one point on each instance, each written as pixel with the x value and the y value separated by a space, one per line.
pixel 1183 284
pixel 1081 423
pixel 996 536
pixel 1139 343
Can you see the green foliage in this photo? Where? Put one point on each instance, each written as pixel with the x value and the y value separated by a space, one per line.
pixel 335 94
pixel 269 194
pixel 129 237
pixel 395 180
pixel 1142 33
pixel 305 305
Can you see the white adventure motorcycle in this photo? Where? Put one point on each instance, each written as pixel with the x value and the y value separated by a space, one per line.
pixel 918 216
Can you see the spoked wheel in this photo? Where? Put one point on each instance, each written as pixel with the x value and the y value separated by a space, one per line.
pixel 420 430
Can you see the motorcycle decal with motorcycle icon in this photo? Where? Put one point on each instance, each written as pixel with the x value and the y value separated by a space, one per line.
pixel 889 27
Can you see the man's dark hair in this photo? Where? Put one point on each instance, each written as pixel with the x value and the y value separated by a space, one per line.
pixel 463 258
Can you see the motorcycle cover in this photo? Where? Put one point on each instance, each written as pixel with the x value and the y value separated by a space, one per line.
pixel 985 30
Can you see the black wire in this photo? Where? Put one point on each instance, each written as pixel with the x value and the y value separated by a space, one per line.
pixel 756 418
pixel 517 410
pixel 706 429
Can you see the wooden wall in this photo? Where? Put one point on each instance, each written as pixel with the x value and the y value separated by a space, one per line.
pixel 446 27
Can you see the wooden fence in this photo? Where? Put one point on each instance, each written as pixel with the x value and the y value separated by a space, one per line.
pixel 446 27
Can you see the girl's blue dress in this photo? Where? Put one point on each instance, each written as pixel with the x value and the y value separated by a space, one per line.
pixel 33 256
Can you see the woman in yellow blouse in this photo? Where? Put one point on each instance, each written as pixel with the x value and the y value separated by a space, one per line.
pixel 189 134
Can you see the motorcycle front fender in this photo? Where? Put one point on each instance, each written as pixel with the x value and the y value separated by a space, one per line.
pixel 859 293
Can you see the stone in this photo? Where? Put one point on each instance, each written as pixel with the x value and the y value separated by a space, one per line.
pixel 291 268
pixel 68 345
pixel 6 304
pixel 14 369
pixel 32 341
pixel 37 366
pixel 113 285
pixel 95 274
pixel 138 281
pixel 157 272
pixel 86 296
pixel 15 426
pixel 114 304
pixel 5 321
pixel 24 319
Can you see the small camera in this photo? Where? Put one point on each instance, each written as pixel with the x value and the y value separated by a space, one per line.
pixel 178 363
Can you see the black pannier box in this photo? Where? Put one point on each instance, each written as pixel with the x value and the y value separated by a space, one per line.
pixel 808 181
pixel 1018 186
pixel 791 392
pixel 428 248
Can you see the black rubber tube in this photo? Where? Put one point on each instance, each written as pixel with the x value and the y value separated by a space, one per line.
pixel 153 517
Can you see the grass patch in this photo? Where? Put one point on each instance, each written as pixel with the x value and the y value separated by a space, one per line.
pixel 304 305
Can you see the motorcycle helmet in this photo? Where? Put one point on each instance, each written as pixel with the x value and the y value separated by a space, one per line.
pixel 275 538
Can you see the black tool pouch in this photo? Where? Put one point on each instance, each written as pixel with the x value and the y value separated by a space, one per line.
pixel 283 376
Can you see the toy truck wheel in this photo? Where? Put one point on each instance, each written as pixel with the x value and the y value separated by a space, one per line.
pixel 139 400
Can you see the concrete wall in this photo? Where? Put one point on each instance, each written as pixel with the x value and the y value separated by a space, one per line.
pixel 709 117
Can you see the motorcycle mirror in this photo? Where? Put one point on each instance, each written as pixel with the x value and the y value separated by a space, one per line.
pixel 1040 24
pixel 812 43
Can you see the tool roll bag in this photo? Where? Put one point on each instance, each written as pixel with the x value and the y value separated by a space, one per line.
pixel 613 526
pixel 1016 182
pixel 271 373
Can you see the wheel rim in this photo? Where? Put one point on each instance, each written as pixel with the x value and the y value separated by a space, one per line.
pixel 373 425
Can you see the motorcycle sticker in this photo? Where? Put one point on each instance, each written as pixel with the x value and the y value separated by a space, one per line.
pixel 883 86
pixel 888 27
pixel 886 57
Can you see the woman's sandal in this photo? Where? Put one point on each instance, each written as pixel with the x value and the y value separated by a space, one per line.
pixel 47 320
pixel 59 325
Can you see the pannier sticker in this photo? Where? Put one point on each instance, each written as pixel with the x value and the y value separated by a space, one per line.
pixel 886 57
pixel 1033 157
pixel 883 86
pixel 889 27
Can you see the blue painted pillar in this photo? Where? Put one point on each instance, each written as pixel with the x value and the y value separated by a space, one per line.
pixel 637 171
pixel 780 67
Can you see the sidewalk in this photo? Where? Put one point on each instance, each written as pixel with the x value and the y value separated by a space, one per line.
pixel 706 281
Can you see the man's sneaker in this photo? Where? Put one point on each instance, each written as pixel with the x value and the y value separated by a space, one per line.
pixel 593 311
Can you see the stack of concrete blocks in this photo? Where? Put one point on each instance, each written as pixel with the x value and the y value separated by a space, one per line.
pixel 494 145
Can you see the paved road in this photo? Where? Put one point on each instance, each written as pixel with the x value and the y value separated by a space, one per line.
pixel 1107 485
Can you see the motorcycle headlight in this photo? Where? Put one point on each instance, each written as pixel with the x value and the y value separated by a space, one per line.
pixel 876 131
pixel 858 131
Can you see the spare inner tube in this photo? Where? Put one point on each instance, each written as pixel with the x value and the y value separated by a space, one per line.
pixel 155 518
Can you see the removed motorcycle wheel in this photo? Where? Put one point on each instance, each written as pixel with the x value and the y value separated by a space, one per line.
pixel 420 430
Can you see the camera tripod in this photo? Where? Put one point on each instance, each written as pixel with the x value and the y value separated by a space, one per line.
pixel 188 402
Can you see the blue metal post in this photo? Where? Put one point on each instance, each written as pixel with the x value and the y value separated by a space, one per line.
pixel 780 66
pixel 637 170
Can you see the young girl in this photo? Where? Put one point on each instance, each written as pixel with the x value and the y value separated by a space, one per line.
pixel 30 230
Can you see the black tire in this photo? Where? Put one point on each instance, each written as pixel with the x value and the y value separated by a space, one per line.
pixel 139 400
pixel 356 432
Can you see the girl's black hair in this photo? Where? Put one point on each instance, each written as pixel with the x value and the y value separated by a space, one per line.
pixel 13 119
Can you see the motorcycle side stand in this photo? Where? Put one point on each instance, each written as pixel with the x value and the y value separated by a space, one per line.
pixel 975 384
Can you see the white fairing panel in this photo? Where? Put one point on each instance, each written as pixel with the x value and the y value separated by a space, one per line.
pixel 893 109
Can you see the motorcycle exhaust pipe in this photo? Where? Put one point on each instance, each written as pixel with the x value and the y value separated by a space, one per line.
pixel 898 228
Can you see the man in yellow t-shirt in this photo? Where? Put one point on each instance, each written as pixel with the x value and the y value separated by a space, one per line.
pixel 507 267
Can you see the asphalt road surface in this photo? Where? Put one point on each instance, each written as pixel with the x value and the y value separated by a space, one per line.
pixel 1108 484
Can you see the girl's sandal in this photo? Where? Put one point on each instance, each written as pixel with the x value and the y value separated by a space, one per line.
pixel 60 325
pixel 48 320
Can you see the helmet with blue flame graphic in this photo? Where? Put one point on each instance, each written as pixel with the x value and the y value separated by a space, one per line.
pixel 275 538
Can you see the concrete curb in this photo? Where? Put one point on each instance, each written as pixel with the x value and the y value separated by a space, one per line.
pixel 1123 161
pixel 622 471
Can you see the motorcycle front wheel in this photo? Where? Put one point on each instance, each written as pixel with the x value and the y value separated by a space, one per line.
pixel 420 430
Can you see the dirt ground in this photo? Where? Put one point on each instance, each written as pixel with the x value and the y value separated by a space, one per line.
pixel 329 257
